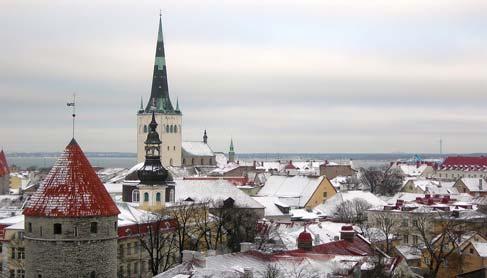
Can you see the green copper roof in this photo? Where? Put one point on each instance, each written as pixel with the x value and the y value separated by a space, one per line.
pixel 231 146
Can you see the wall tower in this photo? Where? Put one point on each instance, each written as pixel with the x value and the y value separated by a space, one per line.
pixel 71 222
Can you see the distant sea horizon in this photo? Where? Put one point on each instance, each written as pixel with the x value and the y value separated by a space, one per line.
pixel 127 160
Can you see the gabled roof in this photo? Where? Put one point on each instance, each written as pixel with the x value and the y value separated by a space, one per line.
pixel 473 184
pixel 195 148
pixel 3 165
pixel 465 161
pixel 71 189
pixel 293 190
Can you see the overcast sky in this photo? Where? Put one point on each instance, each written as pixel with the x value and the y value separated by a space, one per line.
pixel 278 76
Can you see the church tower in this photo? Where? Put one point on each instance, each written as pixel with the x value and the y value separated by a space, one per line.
pixel 71 222
pixel 156 184
pixel 169 119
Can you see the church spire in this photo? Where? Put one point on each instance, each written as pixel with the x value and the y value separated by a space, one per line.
pixel 231 152
pixel 205 137
pixel 159 92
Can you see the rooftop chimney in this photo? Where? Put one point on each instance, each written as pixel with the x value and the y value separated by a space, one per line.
pixel 248 273
pixel 347 233
pixel 245 246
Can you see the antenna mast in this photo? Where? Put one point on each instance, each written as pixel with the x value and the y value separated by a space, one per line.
pixel 73 105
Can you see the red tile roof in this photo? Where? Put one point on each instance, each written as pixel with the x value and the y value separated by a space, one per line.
pixel 71 189
pixel 3 165
pixel 465 161
pixel 358 247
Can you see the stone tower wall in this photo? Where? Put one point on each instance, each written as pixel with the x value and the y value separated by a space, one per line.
pixel 76 252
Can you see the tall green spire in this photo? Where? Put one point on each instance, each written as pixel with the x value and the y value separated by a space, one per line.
pixel 231 146
pixel 159 96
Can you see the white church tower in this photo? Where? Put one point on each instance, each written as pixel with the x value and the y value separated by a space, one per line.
pixel 169 119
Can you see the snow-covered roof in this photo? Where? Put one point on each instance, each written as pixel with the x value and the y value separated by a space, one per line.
pixel 113 188
pixel 71 189
pixel 294 190
pixel 409 252
pixel 412 170
pixel 322 232
pixel 204 190
pixel 481 248
pixel 196 148
pixel 270 204
pixel 328 207
pixel 474 184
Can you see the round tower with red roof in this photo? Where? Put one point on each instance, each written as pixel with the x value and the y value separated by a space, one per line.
pixel 71 222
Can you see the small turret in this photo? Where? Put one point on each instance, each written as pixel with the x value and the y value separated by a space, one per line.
pixel 231 152
pixel 305 241
pixel 205 138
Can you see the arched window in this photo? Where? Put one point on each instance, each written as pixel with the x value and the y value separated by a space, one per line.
pixel 167 128
pixel 135 195
pixel 170 161
pixel 175 129
pixel 202 161
pixel 146 197
pixel 158 196
pixel 171 129
pixel 145 128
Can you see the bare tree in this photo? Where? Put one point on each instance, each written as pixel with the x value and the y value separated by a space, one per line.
pixel 385 181
pixel 441 244
pixel 157 238
pixel 387 226
pixel 352 211
pixel 184 214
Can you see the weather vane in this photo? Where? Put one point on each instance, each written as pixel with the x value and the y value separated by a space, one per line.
pixel 73 105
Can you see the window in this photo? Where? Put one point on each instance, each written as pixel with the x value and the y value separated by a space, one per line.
pixel 202 162
pixel 20 273
pixel 171 195
pixel 40 230
pixel 120 271
pixel 136 267
pixel 145 128
pixel 405 222
pixel 415 223
pixel 13 253
pixel 174 148
pixel 75 231
pixel 12 273
pixel 58 229
pixel 167 129
pixel 135 195
pixel 192 161
pixel 158 196
pixel 1 247
pixel 405 239
pixel 129 252
pixel 20 253
pixel 92 274
pixel 115 225
pixel 175 129
pixel 129 269
pixel 94 227
pixel 171 129
pixel 184 161
pixel 415 240
pixel 471 250
pixel 29 227
pixel 168 148
pixel 170 162
pixel 325 194
pixel 211 161
pixel 146 197
pixel 120 250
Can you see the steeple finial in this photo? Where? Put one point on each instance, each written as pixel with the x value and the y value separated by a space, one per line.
pixel 141 104
pixel 73 105
pixel 231 145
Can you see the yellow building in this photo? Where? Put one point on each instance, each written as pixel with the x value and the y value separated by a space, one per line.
pixel 299 191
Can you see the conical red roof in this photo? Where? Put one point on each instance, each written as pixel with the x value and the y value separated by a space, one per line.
pixel 71 189
pixel 3 164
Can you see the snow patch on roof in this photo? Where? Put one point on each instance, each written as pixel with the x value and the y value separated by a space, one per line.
pixel 294 190
pixel 196 148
